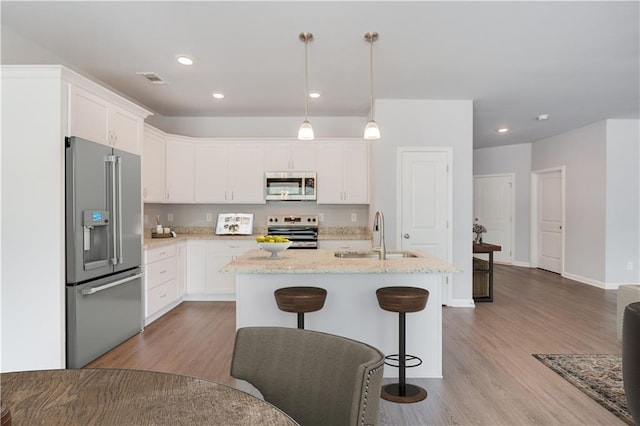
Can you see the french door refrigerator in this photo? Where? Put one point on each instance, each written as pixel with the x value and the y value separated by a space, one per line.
pixel 104 304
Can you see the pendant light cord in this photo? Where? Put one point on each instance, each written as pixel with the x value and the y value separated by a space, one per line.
pixel 371 78
pixel 306 79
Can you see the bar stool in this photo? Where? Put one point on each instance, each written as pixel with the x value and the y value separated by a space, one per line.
pixel 300 300
pixel 402 300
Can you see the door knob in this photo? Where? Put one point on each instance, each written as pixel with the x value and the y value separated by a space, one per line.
pixel 406 236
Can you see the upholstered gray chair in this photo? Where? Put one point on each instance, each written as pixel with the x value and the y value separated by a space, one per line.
pixel 316 378
pixel 631 358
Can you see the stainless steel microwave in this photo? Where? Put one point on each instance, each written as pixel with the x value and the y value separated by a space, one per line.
pixel 290 186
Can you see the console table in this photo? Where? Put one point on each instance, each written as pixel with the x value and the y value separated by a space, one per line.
pixel 486 248
pixel 130 397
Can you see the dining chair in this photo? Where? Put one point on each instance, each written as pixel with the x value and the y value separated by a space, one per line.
pixel 316 378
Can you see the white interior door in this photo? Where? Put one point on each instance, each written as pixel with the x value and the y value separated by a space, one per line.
pixel 493 207
pixel 425 205
pixel 550 221
pixel 425 202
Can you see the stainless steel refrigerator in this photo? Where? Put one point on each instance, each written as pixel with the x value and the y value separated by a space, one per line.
pixel 104 304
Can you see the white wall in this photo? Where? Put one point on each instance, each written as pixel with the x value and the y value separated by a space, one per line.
pixel 262 127
pixel 428 123
pixel 583 152
pixel 514 159
pixel 623 202
pixel 32 223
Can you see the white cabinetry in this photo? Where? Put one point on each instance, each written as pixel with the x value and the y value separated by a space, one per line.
pixel 181 269
pixel 344 244
pixel 229 173
pixel 95 119
pixel 296 156
pixel 206 258
pixel 180 163
pixel 153 166
pixel 343 173
pixel 161 288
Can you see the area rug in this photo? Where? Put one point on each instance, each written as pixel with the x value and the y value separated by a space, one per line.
pixel 599 376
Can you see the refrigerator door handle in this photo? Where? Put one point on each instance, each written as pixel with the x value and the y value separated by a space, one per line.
pixel 120 254
pixel 114 217
pixel 93 290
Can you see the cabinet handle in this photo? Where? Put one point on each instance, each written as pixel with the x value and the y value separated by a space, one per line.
pixel 163 272
pixel 163 296
pixel 406 236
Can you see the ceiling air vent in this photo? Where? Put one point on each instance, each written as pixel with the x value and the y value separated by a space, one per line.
pixel 152 77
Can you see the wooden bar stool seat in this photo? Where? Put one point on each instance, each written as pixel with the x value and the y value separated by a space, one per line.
pixel 402 300
pixel 300 300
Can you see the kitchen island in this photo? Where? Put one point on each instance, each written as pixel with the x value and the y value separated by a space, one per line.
pixel 351 308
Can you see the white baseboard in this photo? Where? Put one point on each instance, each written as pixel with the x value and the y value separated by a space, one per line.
pixel 522 264
pixel 462 303
pixel 210 297
pixel 585 280
pixel 161 312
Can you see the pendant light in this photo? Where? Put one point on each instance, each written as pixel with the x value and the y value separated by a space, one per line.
pixel 371 130
pixel 305 132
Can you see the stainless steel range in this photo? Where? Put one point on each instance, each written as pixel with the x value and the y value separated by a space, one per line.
pixel 302 231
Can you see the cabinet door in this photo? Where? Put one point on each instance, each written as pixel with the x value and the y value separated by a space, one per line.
pixel 88 118
pixel 153 168
pixel 356 173
pixel 246 174
pixel 125 130
pixel 181 269
pixel 211 173
pixel 196 267
pixel 218 282
pixel 277 157
pixel 330 174
pixel 180 171
pixel 303 157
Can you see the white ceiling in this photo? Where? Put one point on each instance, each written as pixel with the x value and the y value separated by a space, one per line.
pixel 577 61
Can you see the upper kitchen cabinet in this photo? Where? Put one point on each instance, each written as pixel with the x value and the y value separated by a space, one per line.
pixel 180 161
pixel 229 172
pixel 343 172
pixel 153 166
pixel 295 156
pixel 96 119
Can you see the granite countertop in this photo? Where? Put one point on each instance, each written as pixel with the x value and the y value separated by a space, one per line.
pixel 324 262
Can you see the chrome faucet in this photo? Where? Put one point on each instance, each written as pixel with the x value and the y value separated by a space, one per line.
pixel 378 225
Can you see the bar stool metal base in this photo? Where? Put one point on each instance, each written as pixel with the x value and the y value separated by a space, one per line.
pixel 412 393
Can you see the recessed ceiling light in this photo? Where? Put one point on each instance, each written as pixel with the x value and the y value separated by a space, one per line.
pixel 542 117
pixel 314 95
pixel 185 60
pixel 218 95
pixel 503 130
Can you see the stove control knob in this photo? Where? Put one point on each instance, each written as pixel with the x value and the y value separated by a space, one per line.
pixel 275 220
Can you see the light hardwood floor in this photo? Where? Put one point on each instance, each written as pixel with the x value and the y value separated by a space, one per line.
pixel 490 375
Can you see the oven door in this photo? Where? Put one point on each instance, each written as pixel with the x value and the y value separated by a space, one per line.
pixel 303 237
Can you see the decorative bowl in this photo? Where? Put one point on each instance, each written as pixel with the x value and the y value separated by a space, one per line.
pixel 274 248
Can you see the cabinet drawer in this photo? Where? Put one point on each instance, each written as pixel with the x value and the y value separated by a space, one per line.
pixel 160 272
pixel 160 296
pixel 159 253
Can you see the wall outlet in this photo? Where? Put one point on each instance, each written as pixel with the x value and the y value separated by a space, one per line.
pixel 209 217
pixel 354 217
pixel 170 217
pixel 321 217
pixel 629 266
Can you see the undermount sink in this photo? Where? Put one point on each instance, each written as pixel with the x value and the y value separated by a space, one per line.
pixel 372 254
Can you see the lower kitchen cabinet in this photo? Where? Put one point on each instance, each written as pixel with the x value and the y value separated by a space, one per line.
pixel 205 259
pixel 161 285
